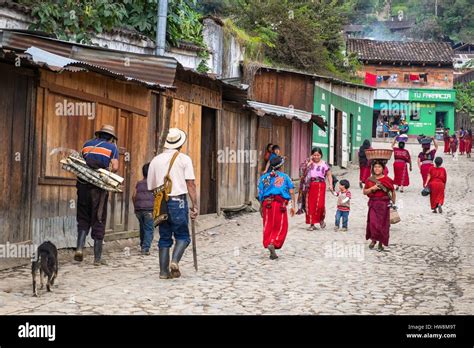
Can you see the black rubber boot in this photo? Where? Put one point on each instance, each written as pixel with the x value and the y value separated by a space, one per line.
pixel 98 253
pixel 81 241
pixel 178 252
pixel 164 255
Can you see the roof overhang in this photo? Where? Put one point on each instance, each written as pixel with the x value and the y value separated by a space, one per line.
pixel 262 109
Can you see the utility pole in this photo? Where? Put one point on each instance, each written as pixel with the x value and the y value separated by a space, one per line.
pixel 161 27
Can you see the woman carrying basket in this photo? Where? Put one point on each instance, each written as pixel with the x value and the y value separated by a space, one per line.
pixel 381 192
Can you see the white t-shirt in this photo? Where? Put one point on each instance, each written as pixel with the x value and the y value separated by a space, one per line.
pixel 181 171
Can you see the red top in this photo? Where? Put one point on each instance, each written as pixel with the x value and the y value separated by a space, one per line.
pixel 386 181
pixel 267 155
pixel 438 174
pixel 401 154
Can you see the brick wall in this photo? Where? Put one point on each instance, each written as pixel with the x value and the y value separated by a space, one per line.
pixel 436 76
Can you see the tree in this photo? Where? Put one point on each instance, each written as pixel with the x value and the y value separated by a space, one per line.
pixel 465 98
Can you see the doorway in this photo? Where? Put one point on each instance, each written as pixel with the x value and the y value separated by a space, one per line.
pixel 351 135
pixel 440 119
pixel 208 197
pixel 338 138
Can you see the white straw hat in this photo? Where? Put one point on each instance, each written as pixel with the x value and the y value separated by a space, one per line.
pixel 176 138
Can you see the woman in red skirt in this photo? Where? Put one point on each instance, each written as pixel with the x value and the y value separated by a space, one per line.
pixel 426 158
pixel 437 182
pixel 381 196
pixel 446 140
pixel 468 142
pixel 400 165
pixel 453 145
pixel 275 191
pixel 315 176
pixel 364 165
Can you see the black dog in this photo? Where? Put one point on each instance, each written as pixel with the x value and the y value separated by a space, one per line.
pixel 46 261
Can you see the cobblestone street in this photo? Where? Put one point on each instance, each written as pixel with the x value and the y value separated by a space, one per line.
pixel 428 267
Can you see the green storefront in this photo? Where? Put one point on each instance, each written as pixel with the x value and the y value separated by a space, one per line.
pixel 426 110
pixel 348 110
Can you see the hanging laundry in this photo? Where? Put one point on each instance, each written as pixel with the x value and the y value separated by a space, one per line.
pixel 406 78
pixel 385 77
pixel 414 77
pixel 370 79
pixel 393 78
pixel 379 79
pixel 424 77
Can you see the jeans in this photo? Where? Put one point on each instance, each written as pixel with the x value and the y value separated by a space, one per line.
pixel 345 218
pixel 176 224
pixel 146 229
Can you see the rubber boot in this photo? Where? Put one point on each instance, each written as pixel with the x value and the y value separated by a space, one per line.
pixel 98 253
pixel 164 255
pixel 81 241
pixel 178 252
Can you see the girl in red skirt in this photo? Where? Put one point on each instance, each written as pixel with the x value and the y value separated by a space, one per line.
pixel 453 145
pixel 315 176
pixel 468 141
pixel 275 190
pixel 426 158
pixel 446 140
pixel 381 196
pixel 462 142
pixel 400 165
pixel 437 182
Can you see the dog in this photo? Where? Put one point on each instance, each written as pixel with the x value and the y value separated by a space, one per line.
pixel 46 261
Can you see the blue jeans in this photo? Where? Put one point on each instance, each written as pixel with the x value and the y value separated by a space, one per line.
pixel 145 218
pixel 345 218
pixel 176 224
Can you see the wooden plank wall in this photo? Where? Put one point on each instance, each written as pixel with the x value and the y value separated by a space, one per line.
pixel 16 104
pixel 55 196
pixel 284 89
pixel 236 136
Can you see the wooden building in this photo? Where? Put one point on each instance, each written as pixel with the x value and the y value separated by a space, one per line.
pixel 39 198
pixel 284 99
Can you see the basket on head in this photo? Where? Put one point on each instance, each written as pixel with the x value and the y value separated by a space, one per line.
pixel 382 154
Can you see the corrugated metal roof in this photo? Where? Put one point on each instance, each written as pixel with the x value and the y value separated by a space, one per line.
pixel 152 70
pixel 263 109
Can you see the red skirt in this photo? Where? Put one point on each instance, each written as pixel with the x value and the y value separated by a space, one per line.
pixel 462 146
pixel 425 169
pixel 446 146
pixel 378 220
pixel 468 146
pixel 275 222
pixel 437 193
pixel 401 173
pixel 364 173
pixel 316 202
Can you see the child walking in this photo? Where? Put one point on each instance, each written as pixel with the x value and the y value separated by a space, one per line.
pixel 143 201
pixel 343 205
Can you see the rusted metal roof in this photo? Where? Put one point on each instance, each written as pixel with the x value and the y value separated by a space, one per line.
pixel 262 109
pixel 153 70
pixel 402 51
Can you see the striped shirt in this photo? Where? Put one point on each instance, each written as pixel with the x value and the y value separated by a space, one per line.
pixel 101 151
pixel 344 200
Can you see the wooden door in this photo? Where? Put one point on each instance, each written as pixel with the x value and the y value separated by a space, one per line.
pixel 344 140
pixel 16 105
pixel 208 199
pixel 338 139
pixel 332 130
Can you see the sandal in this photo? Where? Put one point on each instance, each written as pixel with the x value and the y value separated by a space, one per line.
pixel 372 245
pixel 311 228
pixel 380 247
pixel 440 210
pixel 322 224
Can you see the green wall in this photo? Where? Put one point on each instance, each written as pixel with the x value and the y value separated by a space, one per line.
pixel 362 117
pixel 427 111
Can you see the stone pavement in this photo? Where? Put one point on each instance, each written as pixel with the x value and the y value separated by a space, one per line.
pixel 427 269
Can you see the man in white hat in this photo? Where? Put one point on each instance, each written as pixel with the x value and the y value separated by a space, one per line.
pixel 100 152
pixel 182 177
